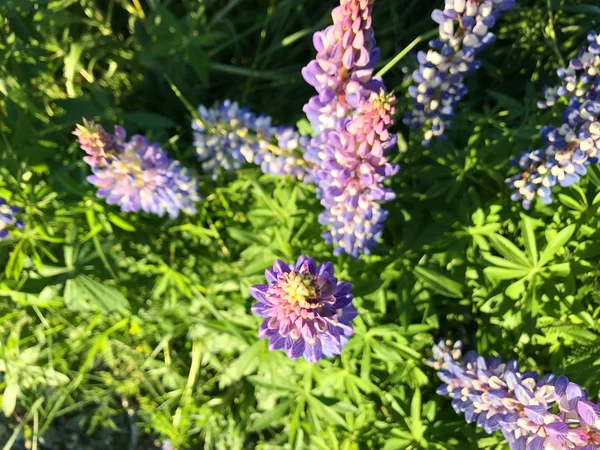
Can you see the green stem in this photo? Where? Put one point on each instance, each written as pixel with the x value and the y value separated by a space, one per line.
pixel 396 59
pixel 186 397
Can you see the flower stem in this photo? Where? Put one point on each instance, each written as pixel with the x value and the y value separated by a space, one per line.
pixel 396 59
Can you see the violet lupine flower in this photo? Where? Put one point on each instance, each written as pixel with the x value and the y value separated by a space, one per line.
pixel 228 137
pixel 307 310
pixel 8 218
pixel 549 413
pixel 135 174
pixel 350 115
pixel 439 80
pixel 342 72
pixel 351 171
pixel 570 148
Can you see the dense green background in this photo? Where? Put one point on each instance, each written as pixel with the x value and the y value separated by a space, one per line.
pixel 118 331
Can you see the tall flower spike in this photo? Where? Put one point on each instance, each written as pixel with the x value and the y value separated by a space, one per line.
pixel 439 81
pixel 342 73
pixel 8 219
pixel 498 397
pixel 307 311
pixel 351 116
pixel 570 148
pixel 135 174
pixel 351 174
pixel 228 136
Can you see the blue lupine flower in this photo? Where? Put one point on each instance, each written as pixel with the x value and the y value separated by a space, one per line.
pixel 498 397
pixel 227 137
pixel 439 80
pixel 569 149
pixel 307 311
pixel 8 218
pixel 135 174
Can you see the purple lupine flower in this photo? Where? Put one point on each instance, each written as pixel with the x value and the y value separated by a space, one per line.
pixel 135 174
pixel 352 168
pixel 351 116
pixel 498 397
pixel 307 310
pixel 342 72
pixel 8 218
pixel 570 148
pixel 439 81
pixel 228 136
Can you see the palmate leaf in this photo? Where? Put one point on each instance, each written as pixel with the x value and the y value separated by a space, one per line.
pixel 82 293
pixel 556 244
pixel 509 250
pixel 528 235
pixel 438 282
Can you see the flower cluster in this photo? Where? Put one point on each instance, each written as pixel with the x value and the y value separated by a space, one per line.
pixel 546 413
pixel 351 115
pixel 439 81
pixel 570 148
pixel 351 171
pixel 135 174
pixel 307 310
pixel 8 218
pixel 227 136
pixel 342 72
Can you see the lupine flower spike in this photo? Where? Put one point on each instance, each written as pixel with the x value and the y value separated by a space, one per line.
pixel 228 136
pixel 351 173
pixel 135 174
pixel 439 81
pixel 307 311
pixel 546 413
pixel 342 73
pixel 8 219
pixel 570 148
pixel 351 115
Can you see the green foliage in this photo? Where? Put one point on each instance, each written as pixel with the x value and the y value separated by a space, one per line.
pixel 118 331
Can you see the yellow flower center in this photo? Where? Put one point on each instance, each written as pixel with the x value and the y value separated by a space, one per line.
pixel 300 289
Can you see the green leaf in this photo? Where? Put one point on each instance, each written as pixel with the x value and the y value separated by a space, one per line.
pixel 516 290
pixel 560 270
pixel 9 398
pixel 558 242
pixel 271 417
pixel 82 293
pixel 509 250
pixel 505 263
pixel 438 282
pixel 571 203
pixel 121 223
pixel 501 273
pixel 415 415
pixel 326 412
pixel 245 237
pixel 72 66
pixel 528 234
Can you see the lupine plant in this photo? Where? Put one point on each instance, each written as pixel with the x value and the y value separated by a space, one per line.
pixel 439 81
pixel 498 397
pixel 227 137
pixel 573 146
pixel 307 310
pixel 275 275
pixel 136 175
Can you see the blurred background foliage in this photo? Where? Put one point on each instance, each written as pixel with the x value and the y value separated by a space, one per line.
pixel 121 331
